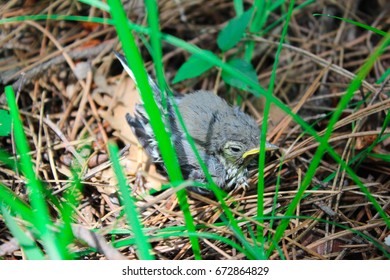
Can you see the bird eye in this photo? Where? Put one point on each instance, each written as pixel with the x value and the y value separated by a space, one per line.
pixel 235 149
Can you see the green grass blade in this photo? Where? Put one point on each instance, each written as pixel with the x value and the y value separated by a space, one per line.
pixel 7 160
pixel 5 123
pixel 68 207
pixel 42 219
pixel 238 7
pixel 132 215
pixel 56 17
pixel 28 245
pixel 383 78
pixel 283 16
pixel 155 38
pixel 15 204
pixel 135 62
pixel 358 159
pixel 263 138
pixel 362 25
pixel 384 157
pixel 260 15
pixel 96 3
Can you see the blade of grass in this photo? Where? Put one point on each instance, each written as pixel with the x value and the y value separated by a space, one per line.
pixel 259 18
pixel 260 15
pixel 42 219
pixel 362 25
pixel 7 160
pixel 136 64
pixel 383 77
pixel 28 245
pixel 96 3
pixel 358 159
pixel 238 7
pixel 155 38
pixel 68 207
pixel 283 16
pixel 263 138
pixel 132 215
pixel 15 204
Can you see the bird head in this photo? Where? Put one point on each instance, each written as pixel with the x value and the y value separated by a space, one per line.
pixel 236 138
pixel 223 132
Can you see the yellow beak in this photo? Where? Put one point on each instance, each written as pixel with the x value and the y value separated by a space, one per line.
pixel 268 147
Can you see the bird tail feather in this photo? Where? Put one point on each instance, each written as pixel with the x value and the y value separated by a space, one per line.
pixel 153 85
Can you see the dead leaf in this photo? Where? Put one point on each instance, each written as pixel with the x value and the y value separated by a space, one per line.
pixel 365 141
pixel 120 100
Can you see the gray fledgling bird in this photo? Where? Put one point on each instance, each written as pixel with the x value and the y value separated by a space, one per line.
pixel 226 138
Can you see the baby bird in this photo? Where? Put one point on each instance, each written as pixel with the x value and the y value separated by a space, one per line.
pixel 226 138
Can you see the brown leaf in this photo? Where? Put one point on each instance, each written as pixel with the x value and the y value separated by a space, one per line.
pixel 90 26
pixel 123 99
pixel 365 141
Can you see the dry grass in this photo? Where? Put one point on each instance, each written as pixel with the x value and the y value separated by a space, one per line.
pixel 74 97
